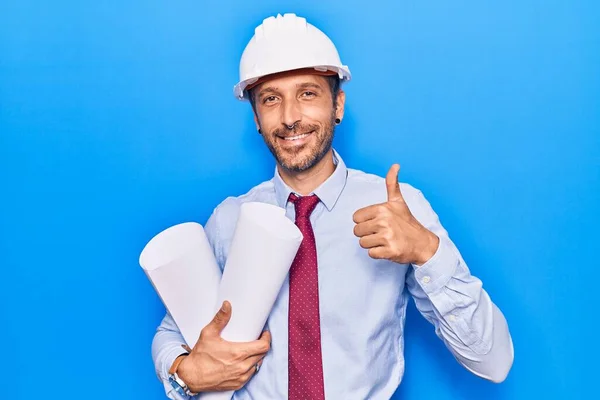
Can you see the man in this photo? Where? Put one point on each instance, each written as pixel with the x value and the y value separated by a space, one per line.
pixel 336 328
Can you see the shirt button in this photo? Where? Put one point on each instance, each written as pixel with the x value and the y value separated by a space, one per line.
pixel 426 279
pixel 452 317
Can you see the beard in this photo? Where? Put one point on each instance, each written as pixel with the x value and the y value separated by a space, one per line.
pixel 301 158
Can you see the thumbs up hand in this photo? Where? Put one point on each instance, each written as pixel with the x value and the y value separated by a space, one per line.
pixel 389 230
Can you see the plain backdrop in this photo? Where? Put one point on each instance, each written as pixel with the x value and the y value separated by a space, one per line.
pixel 117 120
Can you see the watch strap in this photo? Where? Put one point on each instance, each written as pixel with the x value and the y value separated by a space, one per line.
pixel 176 363
pixel 178 384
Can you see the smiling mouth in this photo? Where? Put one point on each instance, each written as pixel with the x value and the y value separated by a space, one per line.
pixel 296 137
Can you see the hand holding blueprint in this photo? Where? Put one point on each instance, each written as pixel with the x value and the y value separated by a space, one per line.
pixel 182 268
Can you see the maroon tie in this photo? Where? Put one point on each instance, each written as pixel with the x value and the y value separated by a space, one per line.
pixel 305 366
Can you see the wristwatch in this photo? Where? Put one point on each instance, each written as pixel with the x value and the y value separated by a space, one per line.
pixel 176 382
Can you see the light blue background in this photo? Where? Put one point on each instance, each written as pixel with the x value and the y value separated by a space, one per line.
pixel 117 120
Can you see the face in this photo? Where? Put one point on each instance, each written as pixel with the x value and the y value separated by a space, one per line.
pixel 296 116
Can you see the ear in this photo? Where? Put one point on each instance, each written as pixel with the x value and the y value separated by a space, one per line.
pixel 256 121
pixel 339 105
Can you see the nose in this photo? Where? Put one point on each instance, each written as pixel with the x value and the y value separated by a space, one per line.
pixel 291 114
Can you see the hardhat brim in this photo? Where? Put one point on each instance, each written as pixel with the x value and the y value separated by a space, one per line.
pixel 299 71
pixel 242 88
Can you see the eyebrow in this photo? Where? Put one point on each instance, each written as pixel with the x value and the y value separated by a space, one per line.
pixel 308 85
pixel 268 89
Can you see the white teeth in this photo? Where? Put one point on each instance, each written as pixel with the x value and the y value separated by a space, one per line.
pixel 296 137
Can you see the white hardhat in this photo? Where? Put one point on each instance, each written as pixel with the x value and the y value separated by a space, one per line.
pixel 286 43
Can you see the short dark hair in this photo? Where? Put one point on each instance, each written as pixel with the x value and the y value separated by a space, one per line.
pixel 334 84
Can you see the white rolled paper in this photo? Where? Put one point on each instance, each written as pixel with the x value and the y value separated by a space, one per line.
pixel 263 248
pixel 181 266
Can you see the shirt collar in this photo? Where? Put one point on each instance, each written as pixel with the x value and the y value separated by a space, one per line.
pixel 328 192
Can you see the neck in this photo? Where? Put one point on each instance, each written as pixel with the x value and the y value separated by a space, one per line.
pixel 306 182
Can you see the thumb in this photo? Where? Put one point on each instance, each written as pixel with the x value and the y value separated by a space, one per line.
pixel 393 187
pixel 219 321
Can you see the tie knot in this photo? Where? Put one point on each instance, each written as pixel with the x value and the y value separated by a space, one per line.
pixel 304 205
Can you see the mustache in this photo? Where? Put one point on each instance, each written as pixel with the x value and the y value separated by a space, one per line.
pixel 298 129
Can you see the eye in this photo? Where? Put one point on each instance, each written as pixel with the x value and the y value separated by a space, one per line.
pixel 269 100
pixel 308 94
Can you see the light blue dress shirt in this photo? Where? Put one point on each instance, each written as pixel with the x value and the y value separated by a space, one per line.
pixel 362 301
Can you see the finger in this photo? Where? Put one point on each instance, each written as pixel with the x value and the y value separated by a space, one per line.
pixel 367 228
pixel 249 364
pixel 255 348
pixel 365 214
pixel 378 253
pixel 219 321
pixel 246 371
pixel 247 376
pixel 266 336
pixel 371 241
pixel 393 187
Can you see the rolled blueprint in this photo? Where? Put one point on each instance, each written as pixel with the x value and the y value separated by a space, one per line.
pixel 263 248
pixel 181 266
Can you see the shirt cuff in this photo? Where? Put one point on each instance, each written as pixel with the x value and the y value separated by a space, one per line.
pixel 168 361
pixel 437 272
